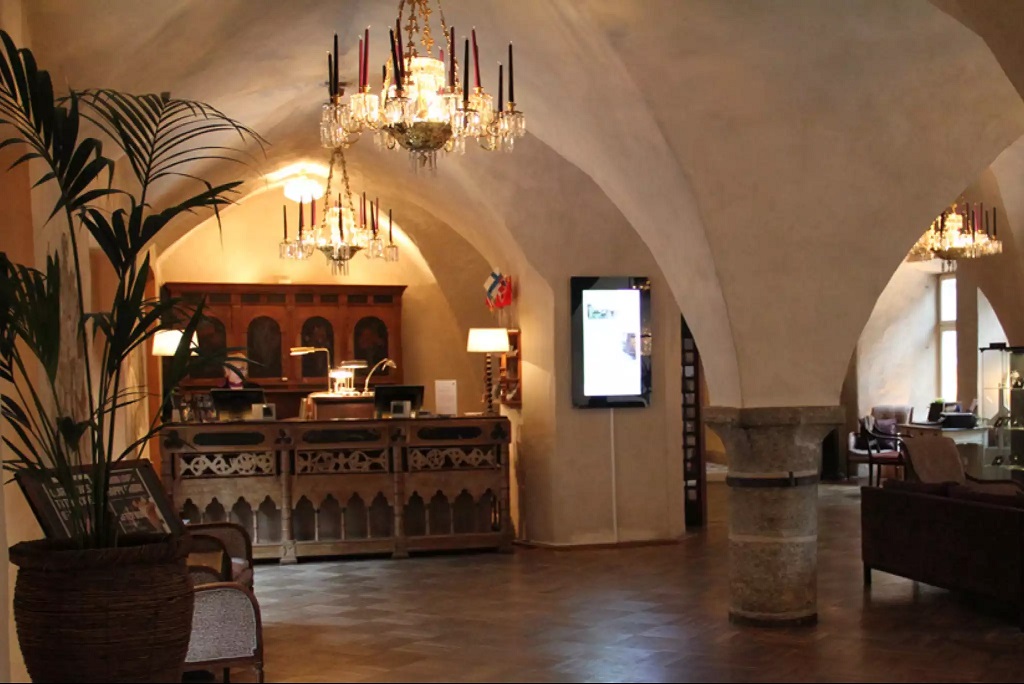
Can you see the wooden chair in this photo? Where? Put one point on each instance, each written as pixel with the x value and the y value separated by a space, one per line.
pixel 875 455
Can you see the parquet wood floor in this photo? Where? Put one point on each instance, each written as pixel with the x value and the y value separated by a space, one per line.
pixel 656 613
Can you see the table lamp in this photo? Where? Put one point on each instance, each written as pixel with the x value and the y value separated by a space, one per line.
pixel 165 342
pixel 488 340
pixel 302 351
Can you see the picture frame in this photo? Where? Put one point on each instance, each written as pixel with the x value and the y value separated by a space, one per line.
pixel 136 498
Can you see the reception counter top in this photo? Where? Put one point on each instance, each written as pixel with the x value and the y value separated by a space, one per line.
pixel 346 486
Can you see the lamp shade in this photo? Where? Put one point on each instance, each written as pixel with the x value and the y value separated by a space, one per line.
pixel 165 342
pixel 487 340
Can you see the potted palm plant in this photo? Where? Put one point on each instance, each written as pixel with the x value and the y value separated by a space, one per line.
pixel 97 605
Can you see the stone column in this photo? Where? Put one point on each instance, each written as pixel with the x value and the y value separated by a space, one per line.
pixel 774 462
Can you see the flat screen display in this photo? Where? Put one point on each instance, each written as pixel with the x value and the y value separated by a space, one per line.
pixel 611 341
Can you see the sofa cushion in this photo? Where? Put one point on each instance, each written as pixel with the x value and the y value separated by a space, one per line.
pixel 933 488
pixel 968 494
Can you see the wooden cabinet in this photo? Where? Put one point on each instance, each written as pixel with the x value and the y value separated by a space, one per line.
pixel 352 321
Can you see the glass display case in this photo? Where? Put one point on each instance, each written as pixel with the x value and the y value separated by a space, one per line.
pixel 1001 409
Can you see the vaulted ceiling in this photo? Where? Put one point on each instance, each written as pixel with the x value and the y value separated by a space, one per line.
pixel 777 158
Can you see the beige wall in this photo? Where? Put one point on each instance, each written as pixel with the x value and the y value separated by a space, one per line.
pixel 245 251
pixel 897 355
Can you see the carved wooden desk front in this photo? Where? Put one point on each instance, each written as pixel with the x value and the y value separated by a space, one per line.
pixel 337 487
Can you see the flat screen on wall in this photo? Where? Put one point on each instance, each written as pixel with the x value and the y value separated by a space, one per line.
pixel 611 341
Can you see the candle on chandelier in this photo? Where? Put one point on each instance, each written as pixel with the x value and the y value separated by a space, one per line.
pixel 373 222
pixel 501 88
pixel 511 77
pixel 334 74
pixel 365 73
pixel 330 76
pixel 394 61
pixel 476 59
pixel 284 215
pixel 300 218
pixel 401 49
pixel 362 212
pixel 376 215
pixel 312 212
pixel 995 223
pixel 465 77
pixel 451 65
pixel 361 64
pixel 391 229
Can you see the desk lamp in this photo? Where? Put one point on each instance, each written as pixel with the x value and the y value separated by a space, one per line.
pixel 488 340
pixel 302 351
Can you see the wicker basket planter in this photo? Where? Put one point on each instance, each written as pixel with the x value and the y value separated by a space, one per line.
pixel 103 615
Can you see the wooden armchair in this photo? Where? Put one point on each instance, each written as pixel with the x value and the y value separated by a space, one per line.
pixel 875 454
pixel 225 547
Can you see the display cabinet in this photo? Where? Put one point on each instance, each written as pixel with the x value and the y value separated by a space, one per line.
pixel 351 321
pixel 1001 409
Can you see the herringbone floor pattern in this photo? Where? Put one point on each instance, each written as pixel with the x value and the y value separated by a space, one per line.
pixel 642 614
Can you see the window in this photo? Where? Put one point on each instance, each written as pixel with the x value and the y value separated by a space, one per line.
pixel 947 337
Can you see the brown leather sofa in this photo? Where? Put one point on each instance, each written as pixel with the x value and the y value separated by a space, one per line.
pixel 946 535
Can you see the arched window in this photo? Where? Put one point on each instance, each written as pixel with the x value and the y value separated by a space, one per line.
pixel 317 332
pixel 213 339
pixel 263 347
pixel 370 341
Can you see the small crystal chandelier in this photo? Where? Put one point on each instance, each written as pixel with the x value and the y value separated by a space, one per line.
pixel 960 232
pixel 422 106
pixel 340 236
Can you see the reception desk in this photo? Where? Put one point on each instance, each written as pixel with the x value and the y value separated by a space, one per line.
pixel 328 405
pixel 340 487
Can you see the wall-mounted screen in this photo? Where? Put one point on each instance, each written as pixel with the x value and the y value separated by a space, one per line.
pixel 611 341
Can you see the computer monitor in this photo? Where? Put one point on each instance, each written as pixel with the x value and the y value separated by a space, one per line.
pixel 235 404
pixel 388 400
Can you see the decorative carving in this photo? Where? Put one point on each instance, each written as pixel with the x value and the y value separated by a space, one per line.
pixel 355 461
pixel 452 457
pixel 220 465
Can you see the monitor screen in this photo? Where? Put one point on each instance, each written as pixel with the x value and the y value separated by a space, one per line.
pixel 611 342
pixel 385 398
pixel 234 404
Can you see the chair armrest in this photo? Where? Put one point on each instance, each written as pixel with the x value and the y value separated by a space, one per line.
pixel 236 539
pixel 210 552
pixel 203 574
pixel 1010 487
pixel 226 626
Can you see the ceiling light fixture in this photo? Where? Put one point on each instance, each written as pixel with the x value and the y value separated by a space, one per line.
pixel 423 106
pixel 960 232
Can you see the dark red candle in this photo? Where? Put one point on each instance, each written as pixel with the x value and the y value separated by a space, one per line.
pixel 334 74
pixel 330 76
pixel 312 213
pixel 451 65
pixel 284 214
pixel 360 63
pixel 401 48
pixel 511 77
pixel 301 211
pixel 995 223
pixel 366 56
pixel 394 60
pixel 501 88
pixel 476 59
pixel 465 78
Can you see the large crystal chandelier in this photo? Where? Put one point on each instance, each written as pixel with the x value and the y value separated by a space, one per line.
pixel 960 232
pixel 423 106
pixel 340 235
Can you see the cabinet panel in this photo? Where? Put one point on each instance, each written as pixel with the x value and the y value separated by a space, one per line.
pixel 353 321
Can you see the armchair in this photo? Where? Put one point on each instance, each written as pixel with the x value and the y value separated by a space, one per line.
pixel 936 460
pixel 227 630
pixel 877 449
pixel 233 543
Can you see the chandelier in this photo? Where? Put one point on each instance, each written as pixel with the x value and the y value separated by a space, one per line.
pixel 340 236
pixel 422 107
pixel 960 232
